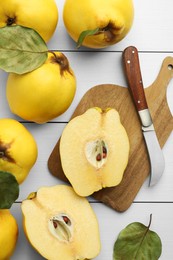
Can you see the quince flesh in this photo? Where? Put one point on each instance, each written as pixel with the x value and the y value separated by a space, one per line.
pixel 60 224
pixel 8 234
pixel 94 150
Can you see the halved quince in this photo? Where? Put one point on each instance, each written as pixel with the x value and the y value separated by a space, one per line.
pixel 61 225
pixel 94 150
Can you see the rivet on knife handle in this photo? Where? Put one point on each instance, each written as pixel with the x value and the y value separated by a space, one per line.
pixel 133 73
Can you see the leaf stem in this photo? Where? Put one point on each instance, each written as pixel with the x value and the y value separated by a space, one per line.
pixel 150 221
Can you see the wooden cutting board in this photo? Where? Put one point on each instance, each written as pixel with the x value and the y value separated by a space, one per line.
pixel 138 169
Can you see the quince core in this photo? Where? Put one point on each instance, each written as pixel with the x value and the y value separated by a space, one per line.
pixel 94 150
pixel 60 224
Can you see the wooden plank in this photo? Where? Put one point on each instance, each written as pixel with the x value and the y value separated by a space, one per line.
pixel 92 69
pixel 46 137
pixel 151 30
pixel 111 223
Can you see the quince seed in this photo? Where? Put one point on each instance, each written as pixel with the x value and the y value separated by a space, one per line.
pixel 96 153
pixel 60 226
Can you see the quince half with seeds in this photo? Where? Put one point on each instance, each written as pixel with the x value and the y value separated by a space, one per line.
pixel 94 150
pixel 61 225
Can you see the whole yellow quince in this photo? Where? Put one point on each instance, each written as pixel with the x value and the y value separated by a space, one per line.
pixel 40 15
pixel 109 20
pixel 44 93
pixel 18 149
pixel 8 234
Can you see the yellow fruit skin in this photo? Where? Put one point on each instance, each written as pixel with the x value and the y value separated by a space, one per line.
pixel 21 149
pixel 8 234
pixel 42 94
pixel 118 14
pixel 40 15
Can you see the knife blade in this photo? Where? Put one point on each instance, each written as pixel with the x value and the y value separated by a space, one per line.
pixel 135 84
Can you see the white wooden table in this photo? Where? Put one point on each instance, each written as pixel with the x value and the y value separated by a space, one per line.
pixel 152 34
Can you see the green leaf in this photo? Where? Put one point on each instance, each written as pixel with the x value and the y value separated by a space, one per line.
pixel 137 242
pixel 9 190
pixel 86 33
pixel 21 49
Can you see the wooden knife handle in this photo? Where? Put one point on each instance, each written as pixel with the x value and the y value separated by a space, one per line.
pixel 134 78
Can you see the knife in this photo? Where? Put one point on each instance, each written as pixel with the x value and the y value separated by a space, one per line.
pixel 135 84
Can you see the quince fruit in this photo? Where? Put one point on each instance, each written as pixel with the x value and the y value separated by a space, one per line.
pixel 61 225
pixel 40 15
pixel 103 23
pixel 18 149
pixel 94 150
pixel 44 93
pixel 8 234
